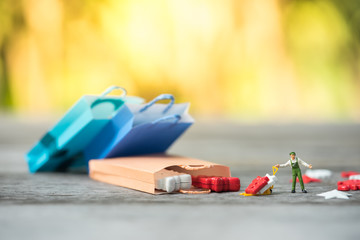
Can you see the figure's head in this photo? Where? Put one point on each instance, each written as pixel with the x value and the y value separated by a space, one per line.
pixel 292 155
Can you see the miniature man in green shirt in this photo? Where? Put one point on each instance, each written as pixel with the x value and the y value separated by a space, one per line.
pixel 296 171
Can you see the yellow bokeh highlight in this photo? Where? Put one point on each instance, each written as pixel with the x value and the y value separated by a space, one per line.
pixel 251 59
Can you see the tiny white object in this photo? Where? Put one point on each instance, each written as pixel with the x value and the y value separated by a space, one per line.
pixel 185 181
pixel 354 177
pixel 173 182
pixel 177 183
pixel 169 184
pixel 271 182
pixel 322 174
pixel 334 194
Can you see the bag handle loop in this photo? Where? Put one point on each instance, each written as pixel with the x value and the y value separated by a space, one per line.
pixel 164 96
pixel 106 92
pixel 194 167
pixel 177 118
pixel 112 88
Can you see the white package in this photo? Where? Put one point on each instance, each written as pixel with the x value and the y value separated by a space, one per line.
pixel 322 174
pixel 354 177
pixel 272 180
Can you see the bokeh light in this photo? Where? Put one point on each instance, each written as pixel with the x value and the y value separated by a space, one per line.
pixel 244 59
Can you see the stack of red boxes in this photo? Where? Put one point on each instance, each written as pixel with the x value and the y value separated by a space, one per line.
pixel 256 185
pixel 217 184
pixel 349 185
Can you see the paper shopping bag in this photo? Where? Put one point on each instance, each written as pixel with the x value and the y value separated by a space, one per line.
pixel 153 129
pixel 142 172
pixel 67 139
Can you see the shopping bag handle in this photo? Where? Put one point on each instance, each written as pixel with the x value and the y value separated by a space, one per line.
pixel 106 92
pixel 112 88
pixel 194 167
pixel 177 117
pixel 164 96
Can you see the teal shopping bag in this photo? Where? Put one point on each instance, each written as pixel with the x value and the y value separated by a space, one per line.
pixel 66 140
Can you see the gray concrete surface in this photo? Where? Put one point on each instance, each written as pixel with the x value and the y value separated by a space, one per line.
pixel 72 206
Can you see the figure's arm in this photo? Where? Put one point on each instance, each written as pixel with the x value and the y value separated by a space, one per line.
pixel 283 165
pixel 304 163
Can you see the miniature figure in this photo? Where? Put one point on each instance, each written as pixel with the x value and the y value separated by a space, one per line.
pixel 296 171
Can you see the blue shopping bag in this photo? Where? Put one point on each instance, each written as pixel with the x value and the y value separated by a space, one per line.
pixel 68 138
pixel 153 129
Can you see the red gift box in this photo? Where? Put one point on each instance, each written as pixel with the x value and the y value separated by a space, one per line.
pixel 217 184
pixel 256 185
pixel 195 182
pixel 343 188
pixel 349 185
pixel 234 184
pixel 205 182
pixel 226 184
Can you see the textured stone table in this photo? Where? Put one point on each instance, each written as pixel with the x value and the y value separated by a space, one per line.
pixel 72 206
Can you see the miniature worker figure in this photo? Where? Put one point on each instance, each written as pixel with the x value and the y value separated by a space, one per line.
pixel 296 171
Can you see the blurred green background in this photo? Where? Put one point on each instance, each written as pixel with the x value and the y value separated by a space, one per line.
pixel 273 60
